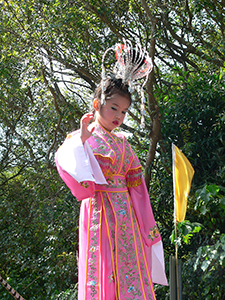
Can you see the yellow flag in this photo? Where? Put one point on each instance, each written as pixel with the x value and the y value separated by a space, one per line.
pixel 183 173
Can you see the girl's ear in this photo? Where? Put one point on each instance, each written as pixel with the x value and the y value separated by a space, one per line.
pixel 96 104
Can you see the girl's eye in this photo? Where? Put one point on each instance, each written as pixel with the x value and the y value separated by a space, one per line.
pixel 113 108
pixel 124 112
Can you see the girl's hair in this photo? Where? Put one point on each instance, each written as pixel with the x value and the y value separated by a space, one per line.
pixel 113 86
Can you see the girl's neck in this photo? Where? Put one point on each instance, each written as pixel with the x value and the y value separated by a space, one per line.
pixel 100 125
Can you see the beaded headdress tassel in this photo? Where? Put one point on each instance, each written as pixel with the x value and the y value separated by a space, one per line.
pixel 133 63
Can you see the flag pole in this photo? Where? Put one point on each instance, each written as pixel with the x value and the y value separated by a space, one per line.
pixel 175 227
pixel 177 264
pixel 182 176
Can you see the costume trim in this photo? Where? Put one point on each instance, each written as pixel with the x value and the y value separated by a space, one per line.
pixel 87 250
pixel 143 251
pixel 135 244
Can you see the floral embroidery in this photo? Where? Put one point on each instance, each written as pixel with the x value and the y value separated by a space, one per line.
pixel 122 212
pixel 153 233
pixel 84 184
pixel 93 273
pixel 128 264
pixel 109 149
pixel 131 288
pixel 124 227
pixel 111 278
pixel 127 261
pixel 143 266
pixel 116 183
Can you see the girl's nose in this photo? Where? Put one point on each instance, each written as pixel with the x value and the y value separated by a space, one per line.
pixel 118 115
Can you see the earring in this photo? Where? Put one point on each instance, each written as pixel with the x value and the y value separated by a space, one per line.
pixel 95 104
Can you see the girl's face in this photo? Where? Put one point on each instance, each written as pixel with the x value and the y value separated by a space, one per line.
pixel 111 115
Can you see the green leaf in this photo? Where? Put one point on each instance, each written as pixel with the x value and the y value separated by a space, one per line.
pixel 213 189
pixel 222 202
pixel 205 265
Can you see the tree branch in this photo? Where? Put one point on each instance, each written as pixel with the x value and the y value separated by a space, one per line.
pixel 190 48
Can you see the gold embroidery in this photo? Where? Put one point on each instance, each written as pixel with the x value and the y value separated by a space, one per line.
pixel 134 183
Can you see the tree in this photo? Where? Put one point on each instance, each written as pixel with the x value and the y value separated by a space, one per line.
pixel 50 64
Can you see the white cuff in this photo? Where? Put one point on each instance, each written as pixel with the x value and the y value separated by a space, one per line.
pixel 158 266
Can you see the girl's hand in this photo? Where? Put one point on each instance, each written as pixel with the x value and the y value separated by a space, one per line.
pixel 86 132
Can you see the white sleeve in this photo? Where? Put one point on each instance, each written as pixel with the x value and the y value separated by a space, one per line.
pixel 79 161
pixel 157 264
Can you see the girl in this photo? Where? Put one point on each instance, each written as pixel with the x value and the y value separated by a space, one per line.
pixel 120 248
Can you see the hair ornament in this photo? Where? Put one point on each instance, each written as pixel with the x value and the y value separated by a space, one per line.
pixel 133 64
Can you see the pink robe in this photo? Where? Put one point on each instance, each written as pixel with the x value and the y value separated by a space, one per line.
pixel 117 230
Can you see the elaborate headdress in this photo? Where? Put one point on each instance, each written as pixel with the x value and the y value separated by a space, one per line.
pixel 133 63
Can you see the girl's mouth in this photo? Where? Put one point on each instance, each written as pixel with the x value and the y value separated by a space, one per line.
pixel 116 123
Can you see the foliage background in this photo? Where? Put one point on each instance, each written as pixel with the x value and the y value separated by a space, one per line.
pixel 49 66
